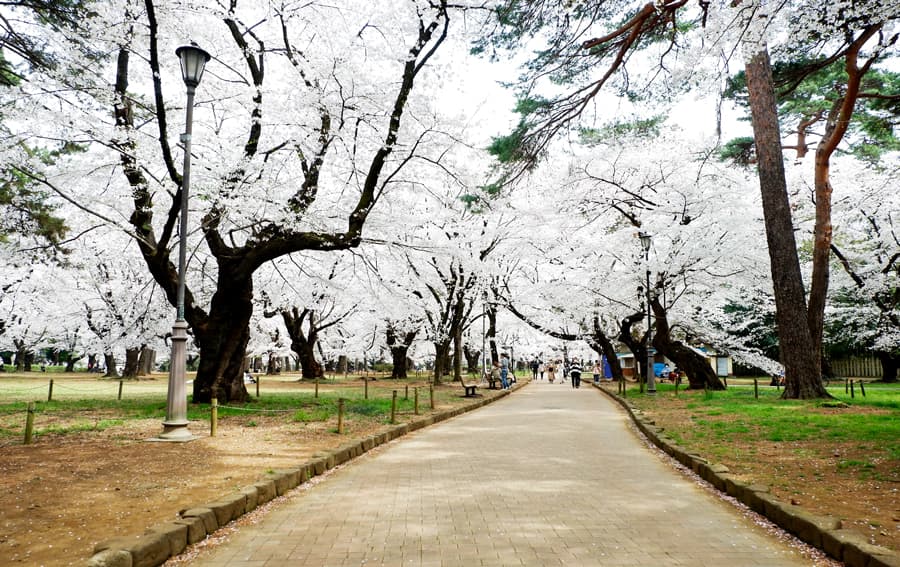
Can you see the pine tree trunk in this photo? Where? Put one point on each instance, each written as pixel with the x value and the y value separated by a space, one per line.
pixel 798 353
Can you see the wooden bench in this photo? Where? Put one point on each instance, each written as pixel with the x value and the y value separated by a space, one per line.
pixel 470 389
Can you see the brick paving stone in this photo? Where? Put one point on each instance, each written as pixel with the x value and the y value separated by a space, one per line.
pixel 546 476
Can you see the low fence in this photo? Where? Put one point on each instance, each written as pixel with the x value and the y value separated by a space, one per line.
pixel 857 367
pixel 30 410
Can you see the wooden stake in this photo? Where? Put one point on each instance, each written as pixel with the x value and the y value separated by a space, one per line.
pixel 394 407
pixel 317 386
pixel 431 394
pixel 416 402
pixel 214 417
pixel 50 393
pixel 120 390
pixel 29 422
pixel 756 388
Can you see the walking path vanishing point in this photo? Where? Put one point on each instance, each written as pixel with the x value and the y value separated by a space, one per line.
pixel 548 476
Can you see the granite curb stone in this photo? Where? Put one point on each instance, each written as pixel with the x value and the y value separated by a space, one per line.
pixel 823 532
pixel 166 540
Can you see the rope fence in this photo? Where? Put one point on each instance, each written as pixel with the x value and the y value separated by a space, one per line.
pixel 63 413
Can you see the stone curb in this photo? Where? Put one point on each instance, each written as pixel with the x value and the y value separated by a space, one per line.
pixel 822 532
pixel 194 524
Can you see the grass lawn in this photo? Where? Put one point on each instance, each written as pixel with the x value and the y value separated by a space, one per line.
pixel 841 459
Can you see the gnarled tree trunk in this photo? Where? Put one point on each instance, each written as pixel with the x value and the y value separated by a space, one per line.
pixel 399 345
pixel 696 367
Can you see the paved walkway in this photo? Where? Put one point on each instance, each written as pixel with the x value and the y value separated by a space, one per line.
pixel 547 476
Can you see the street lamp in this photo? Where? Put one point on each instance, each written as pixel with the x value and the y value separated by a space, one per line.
pixel 193 60
pixel 651 375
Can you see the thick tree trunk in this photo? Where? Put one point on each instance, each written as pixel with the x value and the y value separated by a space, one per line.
pixel 146 361
pixel 889 365
pixel 222 340
pixel 342 364
pixel 399 346
pixel 70 363
pixel 472 359
pixel 798 353
pixel 310 368
pixel 132 357
pixel 441 360
pixel 109 359
pixel 21 356
pixel 303 343
pixel 699 372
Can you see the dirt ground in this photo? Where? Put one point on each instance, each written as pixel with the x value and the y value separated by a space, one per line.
pixel 63 494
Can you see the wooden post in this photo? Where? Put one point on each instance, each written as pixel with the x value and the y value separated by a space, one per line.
pixel 755 388
pixel 416 401
pixel 676 387
pixel 431 394
pixel 340 415
pixel 317 386
pixel 120 390
pixel 394 407
pixel 257 386
pixel 862 389
pixel 725 380
pixel 213 417
pixel 366 382
pixel 29 423
pixel 50 392
pixel 852 390
pixel 406 392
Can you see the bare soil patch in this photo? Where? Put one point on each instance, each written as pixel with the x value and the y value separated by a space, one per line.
pixel 65 493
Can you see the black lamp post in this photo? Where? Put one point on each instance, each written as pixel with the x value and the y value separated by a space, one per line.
pixel 193 60
pixel 651 376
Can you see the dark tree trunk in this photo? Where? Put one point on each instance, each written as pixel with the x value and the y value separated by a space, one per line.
pixel 399 346
pixel 457 354
pixel 146 361
pixel 271 365
pixel 342 364
pixel 21 355
pixel 472 359
pixel 303 343
pixel 605 349
pixel 696 367
pixel 132 357
pixel 637 346
pixel 441 360
pixel 70 363
pixel 110 360
pixel 803 377
pixel 92 362
pixel 222 339
pixel 492 333
pixel 889 365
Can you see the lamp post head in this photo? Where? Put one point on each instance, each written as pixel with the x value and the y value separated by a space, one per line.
pixel 193 60
pixel 645 240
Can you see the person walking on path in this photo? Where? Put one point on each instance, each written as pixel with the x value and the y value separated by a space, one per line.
pixel 575 373
pixel 551 371
pixel 504 371
pixel 598 371
pixel 535 364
